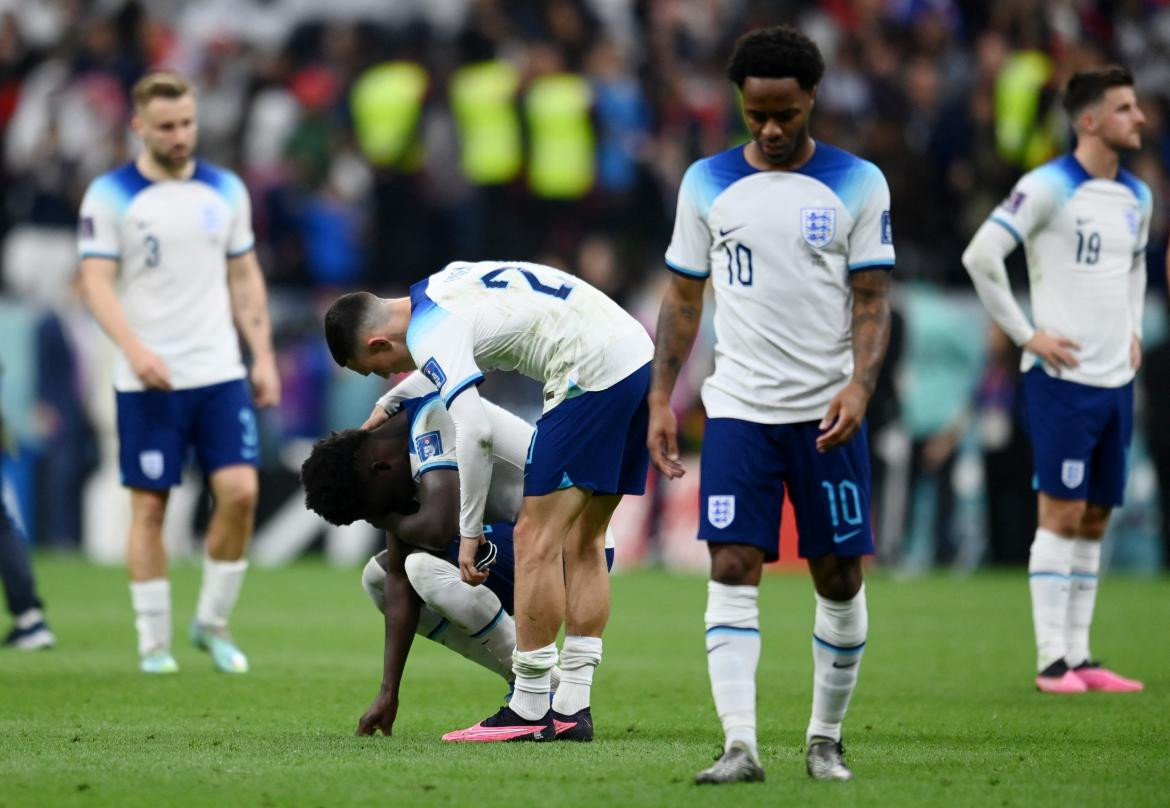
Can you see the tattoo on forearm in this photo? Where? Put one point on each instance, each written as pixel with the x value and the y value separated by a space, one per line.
pixel 871 325
pixel 678 323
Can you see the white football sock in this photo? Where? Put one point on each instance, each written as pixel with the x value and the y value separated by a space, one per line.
pixel 222 581
pixel 1049 566
pixel 580 656
pixel 1082 597
pixel 733 652
pixel 152 614
pixel 474 610
pixel 533 679
pixel 437 628
pixel 839 632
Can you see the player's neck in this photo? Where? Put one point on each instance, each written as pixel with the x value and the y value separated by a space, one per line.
pixel 1100 161
pixel 156 172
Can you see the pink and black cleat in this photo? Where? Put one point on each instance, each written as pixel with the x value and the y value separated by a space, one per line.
pixel 506 726
pixel 575 727
pixel 1057 678
pixel 1095 677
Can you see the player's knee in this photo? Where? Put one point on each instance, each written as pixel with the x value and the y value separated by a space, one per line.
pixel 1094 522
pixel 148 513
pixel 374 580
pixel 736 565
pixel 240 497
pixel 424 570
pixel 536 544
pixel 836 578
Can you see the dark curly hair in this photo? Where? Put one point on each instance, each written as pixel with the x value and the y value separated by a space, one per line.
pixel 781 52
pixel 1089 86
pixel 333 486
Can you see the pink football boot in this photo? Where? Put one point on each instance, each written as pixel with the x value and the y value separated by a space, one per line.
pixel 1096 677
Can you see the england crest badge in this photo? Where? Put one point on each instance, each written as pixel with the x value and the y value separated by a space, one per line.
pixel 721 510
pixel 151 462
pixel 1072 473
pixel 818 226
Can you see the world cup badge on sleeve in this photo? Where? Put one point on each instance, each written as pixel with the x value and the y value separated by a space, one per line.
pixel 721 510
pixel 428 445
pixel 818 226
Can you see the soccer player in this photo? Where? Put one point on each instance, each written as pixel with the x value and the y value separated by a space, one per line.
pixel 794 236
pixel 589 450
pixel 166 266
pixel 1084 222
pixel 366 474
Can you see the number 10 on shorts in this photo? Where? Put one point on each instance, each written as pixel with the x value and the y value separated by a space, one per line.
pixel 844 502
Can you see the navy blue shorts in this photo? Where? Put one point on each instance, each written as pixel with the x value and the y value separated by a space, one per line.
pixel 158 428
pixel 595 441
pixel 1080 437
pixel 502 573
pixel 745 470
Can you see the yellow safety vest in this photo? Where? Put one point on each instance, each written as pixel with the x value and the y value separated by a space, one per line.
pixel 386 101
pixel 562 162
pixel 483 99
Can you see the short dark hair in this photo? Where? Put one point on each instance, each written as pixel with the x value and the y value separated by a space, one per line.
pixel 345 319
pixel 333 484
pixel 1089 86
pixel 781 52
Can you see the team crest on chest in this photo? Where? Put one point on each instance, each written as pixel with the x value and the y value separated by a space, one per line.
pixel 721 510
pixel 818 226
pixel 1072 473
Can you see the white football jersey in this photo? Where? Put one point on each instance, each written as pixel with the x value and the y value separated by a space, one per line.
pixel 432 446
pixel 544 323
pixel 172 240
pixel 1080 236
pixel 779 247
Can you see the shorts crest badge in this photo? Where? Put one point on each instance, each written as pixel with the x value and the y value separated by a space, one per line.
pixel 1072 473
pixel 818 226
pixel 152 463
pixel 721 510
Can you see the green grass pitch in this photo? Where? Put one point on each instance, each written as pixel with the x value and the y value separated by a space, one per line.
pixel 945 713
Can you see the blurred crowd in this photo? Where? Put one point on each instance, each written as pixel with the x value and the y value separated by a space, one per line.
pixel 380 140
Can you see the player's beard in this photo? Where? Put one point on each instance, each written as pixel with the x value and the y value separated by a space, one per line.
pixel 784 157
pixel 173 163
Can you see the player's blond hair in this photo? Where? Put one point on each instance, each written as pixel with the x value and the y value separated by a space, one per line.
pixel 159 84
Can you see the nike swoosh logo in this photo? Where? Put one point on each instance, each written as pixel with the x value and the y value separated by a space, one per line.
pixel 839 537
pixel 729 230
pixel 839 665
pixel 716 647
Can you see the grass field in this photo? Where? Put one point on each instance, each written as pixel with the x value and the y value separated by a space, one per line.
pixel 945 713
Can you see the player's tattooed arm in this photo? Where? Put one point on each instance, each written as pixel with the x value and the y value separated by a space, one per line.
pixel 871 325
pixel 401 606
pixel 870 335
pixel 678 323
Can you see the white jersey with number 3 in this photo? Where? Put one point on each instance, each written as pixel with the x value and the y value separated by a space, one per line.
pixel 779 248
pixel 172 240
pixel 1081 235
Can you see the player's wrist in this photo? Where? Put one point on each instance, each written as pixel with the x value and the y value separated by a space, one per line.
pixel 658 398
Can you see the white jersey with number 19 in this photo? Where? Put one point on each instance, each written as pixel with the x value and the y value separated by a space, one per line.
pixel 779 247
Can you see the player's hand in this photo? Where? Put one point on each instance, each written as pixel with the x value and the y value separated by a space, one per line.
pixel 379 716
pixel 265 382
pixel 377 417
pixel 1055 351
pixel 468 548
pixel 149 368
pixel 844 417
pixel 662 440
pixel 1135 354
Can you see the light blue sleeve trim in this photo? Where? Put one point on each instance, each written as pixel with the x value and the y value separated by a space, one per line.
pixel 93 254
pixel 244 251
pixel 883 263
pixel 442 464
pixel 686 273
pixel 459 388
pixel 1004 224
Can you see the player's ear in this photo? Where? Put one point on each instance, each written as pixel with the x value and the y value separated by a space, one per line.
pixel 378 344
pixel 380 465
